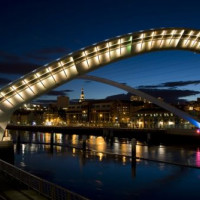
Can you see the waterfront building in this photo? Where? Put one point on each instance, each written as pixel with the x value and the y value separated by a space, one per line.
pixel 101 112
pixel 156 117
pixel 27 117
pixel 62 102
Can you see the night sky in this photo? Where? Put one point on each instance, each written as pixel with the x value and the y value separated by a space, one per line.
pixel 37 32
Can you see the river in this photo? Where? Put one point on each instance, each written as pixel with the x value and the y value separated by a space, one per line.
pixel 106 169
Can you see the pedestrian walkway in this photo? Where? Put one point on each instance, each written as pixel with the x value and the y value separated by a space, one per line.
pixel 11 189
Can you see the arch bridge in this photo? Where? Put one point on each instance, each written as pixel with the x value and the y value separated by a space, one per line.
pixel 80 62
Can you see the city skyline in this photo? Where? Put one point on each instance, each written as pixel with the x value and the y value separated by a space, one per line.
pixel 36 33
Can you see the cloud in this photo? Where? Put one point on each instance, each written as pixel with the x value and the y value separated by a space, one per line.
pixel 14 64
pixel 181 83
pixel 4 81
pixel 9 57
pixel 52 50
pixel 17 67
pixel 43 54
pixel 44 101
pixel 87 81
pixel 59 93
pixel 171 84
pixel 37 57
pixel 170 95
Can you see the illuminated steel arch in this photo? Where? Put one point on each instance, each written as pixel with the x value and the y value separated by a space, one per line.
pixel 90 58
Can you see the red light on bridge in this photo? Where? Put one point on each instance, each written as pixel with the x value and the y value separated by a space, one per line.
pixel 198 131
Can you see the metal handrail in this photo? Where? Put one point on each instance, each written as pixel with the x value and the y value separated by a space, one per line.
pixel 45 188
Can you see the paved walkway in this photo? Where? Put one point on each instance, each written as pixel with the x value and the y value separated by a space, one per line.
pixel 12 190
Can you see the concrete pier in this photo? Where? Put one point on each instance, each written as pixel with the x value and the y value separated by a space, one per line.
pixel 7 151
pixel 84 142
pixel 133 144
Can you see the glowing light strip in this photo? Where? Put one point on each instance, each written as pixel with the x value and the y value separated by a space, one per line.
pixel 162 39
pixel 40 80
pixel 49 70
pixel 6 99
pixel 142 37
pixel 97 52
pixel 152 38
pixel 86 58
pixel 190 34
pixel 173 32
pixel 62 65
pixel 179 39
pixel 17 92
pixel 109 50
pixel 195 41
pixel 120 46
pixel 28 86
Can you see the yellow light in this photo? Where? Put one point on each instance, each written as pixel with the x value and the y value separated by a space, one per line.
pixel 191 33
pixel 71 59
pixel 142 36
pixel 73 150
pixel 153 33
pixel 124 159
pixel 13 87
pixel 100 144
pixel 100 156
pixel 2 94
pixel 37 75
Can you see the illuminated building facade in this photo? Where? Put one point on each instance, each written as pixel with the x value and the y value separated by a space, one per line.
pixel 28 115
pixel 154 118
pixel 101 112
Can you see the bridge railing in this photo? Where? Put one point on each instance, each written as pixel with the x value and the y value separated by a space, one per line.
pixel 45 188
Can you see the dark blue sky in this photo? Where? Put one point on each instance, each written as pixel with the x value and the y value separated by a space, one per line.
pixel 34 33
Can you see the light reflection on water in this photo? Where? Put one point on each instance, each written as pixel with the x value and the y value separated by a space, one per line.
pixel 186 155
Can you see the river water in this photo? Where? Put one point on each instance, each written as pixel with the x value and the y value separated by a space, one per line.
pixel 106 169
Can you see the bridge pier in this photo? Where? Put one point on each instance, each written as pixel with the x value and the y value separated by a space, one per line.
pixel 7 151
pixel 109 135
pixel 4 119
pixel 133 167
pixel 2 130
pixel 84 142
pixel 51 142
pixel 148 138
pixel 18 143
pixel 6 144
pixel 133 146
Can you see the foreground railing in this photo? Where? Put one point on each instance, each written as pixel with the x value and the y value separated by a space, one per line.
pixel 42 186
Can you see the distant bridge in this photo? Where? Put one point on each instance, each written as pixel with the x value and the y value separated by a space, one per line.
pixel 90 58
pixel 150 98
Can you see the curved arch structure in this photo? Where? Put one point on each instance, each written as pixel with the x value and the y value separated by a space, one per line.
pixel 150 98
pixel 90 58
